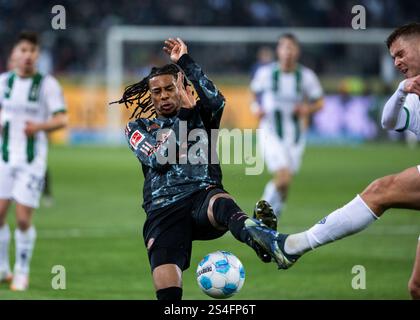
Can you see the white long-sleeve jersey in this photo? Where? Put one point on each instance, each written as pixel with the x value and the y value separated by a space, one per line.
pixel 402 111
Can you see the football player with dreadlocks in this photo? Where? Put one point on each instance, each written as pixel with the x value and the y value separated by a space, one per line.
pixel 185 200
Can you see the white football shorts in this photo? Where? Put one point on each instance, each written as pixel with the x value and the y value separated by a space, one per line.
pixel 22 183
pixel 278 153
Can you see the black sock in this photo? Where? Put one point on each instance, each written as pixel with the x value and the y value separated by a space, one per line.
pixel 227 213
pixel 171 293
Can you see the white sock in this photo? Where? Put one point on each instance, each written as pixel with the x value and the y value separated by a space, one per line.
pixel 25 241
pixel 273 197
pixel 352 218
pixel 4 247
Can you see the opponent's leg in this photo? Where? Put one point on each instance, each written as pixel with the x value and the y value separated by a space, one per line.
pixel 275 192
pixel 27 193
pixel 6 186
pixel 400 190
pixel 395 191
pixel 279 160
pixel 414 283
pixel 25 236
pixel 4 207
pixel 5 272
pixel 48 198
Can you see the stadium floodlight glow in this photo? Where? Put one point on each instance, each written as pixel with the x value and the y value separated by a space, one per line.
pixel 118 35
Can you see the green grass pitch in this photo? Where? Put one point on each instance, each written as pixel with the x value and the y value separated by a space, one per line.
pixel 94 229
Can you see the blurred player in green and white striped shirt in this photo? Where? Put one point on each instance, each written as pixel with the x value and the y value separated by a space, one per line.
pixel 31 104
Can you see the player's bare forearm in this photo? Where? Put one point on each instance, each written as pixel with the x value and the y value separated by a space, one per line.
pixel 316 105
pixel 307 108
pixel 58 121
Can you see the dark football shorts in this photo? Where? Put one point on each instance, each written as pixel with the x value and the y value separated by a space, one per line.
pixel 169 232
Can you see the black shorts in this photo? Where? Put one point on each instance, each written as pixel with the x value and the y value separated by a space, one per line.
pixel 168 233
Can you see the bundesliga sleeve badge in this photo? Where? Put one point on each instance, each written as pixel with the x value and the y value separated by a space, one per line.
pixel 136 139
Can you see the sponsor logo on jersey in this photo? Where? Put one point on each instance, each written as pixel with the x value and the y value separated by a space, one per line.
pixel 136 139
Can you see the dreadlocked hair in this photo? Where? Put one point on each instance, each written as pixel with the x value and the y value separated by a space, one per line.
pixel 138 94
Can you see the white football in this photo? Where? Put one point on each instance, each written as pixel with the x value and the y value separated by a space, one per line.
pixel 220 274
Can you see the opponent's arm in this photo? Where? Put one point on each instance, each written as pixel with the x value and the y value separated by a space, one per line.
pixel 393 112
pixel 57 121
pixel 307 108
pixel 394 115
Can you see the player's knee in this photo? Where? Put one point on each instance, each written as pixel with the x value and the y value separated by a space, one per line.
pixel 23 224
pixel 170 293
pixel 3 213
pixel 381 185
pixel 376 193
pixel 2 219
pixel 414 288
pixel 282 180
pixel 281 184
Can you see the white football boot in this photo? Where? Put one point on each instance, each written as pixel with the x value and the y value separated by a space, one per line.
pixel 20 282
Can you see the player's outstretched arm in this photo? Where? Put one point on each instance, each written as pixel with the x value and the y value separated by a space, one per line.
pixel 175 48
pixel 206 90
pixel 393 109
pixel 185 92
